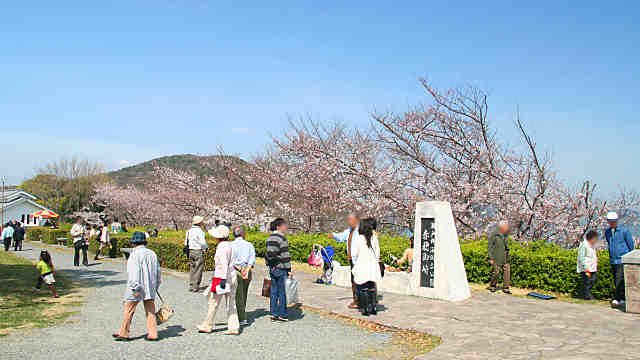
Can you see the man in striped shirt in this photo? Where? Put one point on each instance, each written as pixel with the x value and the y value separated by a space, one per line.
pixel 279 263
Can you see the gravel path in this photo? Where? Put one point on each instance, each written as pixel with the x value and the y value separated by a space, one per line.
pixel 88 334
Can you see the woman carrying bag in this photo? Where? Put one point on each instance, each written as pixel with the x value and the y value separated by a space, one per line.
pixel 223 285
pixel 366 268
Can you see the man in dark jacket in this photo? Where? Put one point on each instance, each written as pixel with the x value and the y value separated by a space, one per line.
pixel 279 263
pixel 18 237
pixel 498 251
pixel 620 243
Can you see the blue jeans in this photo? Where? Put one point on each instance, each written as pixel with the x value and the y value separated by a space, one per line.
pixel 278 294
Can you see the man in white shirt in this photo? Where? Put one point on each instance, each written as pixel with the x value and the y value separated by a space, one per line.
pixel 197 244
pixel 353 221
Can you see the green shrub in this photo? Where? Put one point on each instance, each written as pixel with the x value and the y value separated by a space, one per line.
pixel 535 265
pixel 34 233
pixel 169 251
pixel 538 265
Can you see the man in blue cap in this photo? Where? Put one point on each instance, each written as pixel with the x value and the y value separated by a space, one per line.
pixel 143 279
pixel 620 243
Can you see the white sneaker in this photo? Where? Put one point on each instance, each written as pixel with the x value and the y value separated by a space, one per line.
pixel 615 303
pixel 244 323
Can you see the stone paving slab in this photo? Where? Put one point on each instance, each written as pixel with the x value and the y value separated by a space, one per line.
pixel 497 326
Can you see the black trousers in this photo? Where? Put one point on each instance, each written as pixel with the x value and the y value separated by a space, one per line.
pixel 587 284
pixel 7 244
pixel 17 244
pixel 76 255
pixel 618 279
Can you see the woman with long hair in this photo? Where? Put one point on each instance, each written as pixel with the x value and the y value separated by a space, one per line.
pixel 366 269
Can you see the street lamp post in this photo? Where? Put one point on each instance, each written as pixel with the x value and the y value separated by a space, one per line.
pixel 3 194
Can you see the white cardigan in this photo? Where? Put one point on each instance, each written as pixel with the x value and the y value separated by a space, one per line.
pixel 366 267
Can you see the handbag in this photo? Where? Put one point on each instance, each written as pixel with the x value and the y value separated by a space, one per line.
pixel 165 313
pixel 185 249
pixel 266 287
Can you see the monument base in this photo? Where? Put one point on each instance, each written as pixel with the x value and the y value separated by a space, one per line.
pixel 392 282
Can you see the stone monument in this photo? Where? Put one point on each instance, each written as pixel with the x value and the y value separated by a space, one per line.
pixel 631 265
pixel 438 269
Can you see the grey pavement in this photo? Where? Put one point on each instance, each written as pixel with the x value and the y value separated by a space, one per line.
pixel 498 326
pixel 88 334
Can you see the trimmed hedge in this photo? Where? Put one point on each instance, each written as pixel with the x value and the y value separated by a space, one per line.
pixel 536 265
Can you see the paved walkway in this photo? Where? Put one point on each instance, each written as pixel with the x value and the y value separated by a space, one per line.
pixel 88 334
pixel 490 326
pixel 497 326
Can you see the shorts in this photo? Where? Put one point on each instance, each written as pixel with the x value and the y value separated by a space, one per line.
pixel 48 279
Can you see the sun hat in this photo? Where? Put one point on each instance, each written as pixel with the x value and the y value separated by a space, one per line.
pixel 197 220
pixel 138 238
pixel 612 216
pixel 219 232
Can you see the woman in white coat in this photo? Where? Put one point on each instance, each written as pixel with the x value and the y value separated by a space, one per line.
pixel 223 284
pixel 366 269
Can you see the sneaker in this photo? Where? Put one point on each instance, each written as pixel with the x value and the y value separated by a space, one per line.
pixel 506 291
pixel 492 289
pixel 615 303
pixel 36 289
pixel 244 323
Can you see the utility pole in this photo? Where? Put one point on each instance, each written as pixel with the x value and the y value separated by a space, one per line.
pixel 3 194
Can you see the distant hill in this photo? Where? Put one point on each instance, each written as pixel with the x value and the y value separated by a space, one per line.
pixel 139 173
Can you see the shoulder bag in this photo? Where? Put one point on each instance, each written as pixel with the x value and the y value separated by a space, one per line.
pixel 165 313
pixel 185 249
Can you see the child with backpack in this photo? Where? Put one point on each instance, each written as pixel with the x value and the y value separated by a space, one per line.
pixel 45 267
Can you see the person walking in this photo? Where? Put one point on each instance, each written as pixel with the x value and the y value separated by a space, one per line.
pixel 498 252
pixel 223 285
pixel 18 237
pixel 245 260
pixel 195 241
pixel 46 269
pixel 366 267
pixel 79 234
pixel 346 236
pixel 7 235
pixel 278 261
pixel 103 238
pixel 620 242
pixel 143 280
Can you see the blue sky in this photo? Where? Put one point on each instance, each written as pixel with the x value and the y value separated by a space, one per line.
pixel 125 81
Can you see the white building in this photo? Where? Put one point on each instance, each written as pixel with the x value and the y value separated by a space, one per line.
pixel 18 205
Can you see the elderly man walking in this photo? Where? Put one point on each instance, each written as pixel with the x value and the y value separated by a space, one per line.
pixel 7 235
pixel 143 279
pixel 620 243
pixel 347 236
pixel 498 251
pixel 245 260
pixel 195 241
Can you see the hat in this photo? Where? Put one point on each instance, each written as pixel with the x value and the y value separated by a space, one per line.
pixel 220 232
pixel 612 216
pixel 197 220
pixel 138 238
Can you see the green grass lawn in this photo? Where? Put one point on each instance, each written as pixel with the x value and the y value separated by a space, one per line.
pixel 21 307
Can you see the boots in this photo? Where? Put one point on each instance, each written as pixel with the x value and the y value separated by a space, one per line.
pixel 372 302
pixel 364 302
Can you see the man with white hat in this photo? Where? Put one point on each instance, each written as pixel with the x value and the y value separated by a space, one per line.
pixel 195 240
pixel 620 243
